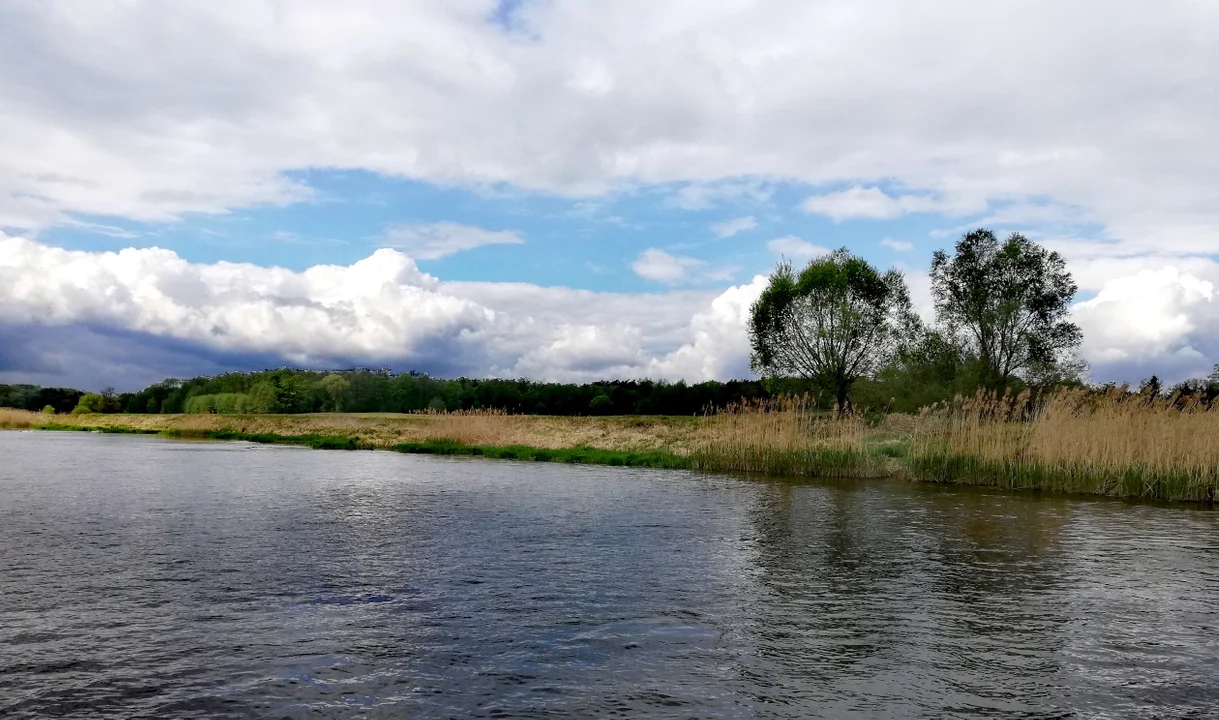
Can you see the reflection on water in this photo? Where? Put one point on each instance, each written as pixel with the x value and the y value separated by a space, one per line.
pixel 147 578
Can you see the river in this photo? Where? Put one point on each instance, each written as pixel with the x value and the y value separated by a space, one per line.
pixel 142 577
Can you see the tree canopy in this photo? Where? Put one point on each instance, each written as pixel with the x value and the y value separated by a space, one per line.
pixel 1008 305
pixel 835 321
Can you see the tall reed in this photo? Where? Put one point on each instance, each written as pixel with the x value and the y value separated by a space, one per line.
pixel 19 419
pixel 1114 443
pixel 785 436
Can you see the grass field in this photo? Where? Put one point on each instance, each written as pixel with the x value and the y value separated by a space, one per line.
pixel 1114 445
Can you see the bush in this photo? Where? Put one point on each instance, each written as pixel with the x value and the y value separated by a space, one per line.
pixel 89 403
pixel 261 399
pixel 601 405
pixel 222 403
pixel 48 410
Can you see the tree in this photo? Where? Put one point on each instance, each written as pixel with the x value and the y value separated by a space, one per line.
pixel 1008 303
pixel 1151 387
pixel 836 321
pixel 336 388
pixel 261 399
pixel 110 401
pixel 601 404
pixel 1205 389
pixel 89 403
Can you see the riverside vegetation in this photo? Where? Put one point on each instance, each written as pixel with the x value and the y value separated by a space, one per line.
pixel 1112 443
pixel 853 384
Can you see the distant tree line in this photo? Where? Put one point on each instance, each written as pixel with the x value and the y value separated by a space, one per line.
pixel 287 390
pixel 938 372
pixel 36 398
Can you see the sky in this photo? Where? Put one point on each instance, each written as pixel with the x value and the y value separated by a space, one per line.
pixel 577 190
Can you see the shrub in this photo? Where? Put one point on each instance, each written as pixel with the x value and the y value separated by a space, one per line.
pixel 48 410
pixel 89 403
pixel 601 404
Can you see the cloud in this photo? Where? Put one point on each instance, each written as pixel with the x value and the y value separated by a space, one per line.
pixel 873 203
pixel 380 305
pixel 896 245
pixel 244 99
pixel 1153 321
pixel 701 196
pixel 795 248
pixel 659 266
pixel 436 240
pixel 728 228
pixel 133 317
pixel 720 347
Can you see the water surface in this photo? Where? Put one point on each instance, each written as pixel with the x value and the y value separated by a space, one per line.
pixel 141 577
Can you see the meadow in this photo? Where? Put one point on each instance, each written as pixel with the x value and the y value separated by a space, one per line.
pixel 1113 444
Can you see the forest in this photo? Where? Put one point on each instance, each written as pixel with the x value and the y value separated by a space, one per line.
pixel 899 388
pixel 287 390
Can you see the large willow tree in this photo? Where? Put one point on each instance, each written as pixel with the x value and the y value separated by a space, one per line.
pixel 834 322
pixel 1009 305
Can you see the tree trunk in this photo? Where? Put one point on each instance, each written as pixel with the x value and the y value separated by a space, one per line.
pixel 843 389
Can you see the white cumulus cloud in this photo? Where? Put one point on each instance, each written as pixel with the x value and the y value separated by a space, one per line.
pixel 873 203
pixel 1155 320
pixel 659 266
pixel 58 306
pixel 897 245
pixel 728 228
pixel 795 248
pixel 429 241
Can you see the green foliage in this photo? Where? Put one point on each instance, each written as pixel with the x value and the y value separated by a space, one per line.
pixel 336 389
pixel 579 455
pixel 600 405
pixel 35 398
pixel 300 391
pixel 1204 389
pixel 835 322
pixel 48 410
pixel 1134 481
pixel 262 398
pixel 1008 305
pixel 89 403
pixel 220 403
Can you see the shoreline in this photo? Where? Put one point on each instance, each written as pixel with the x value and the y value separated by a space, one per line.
pixel 678 443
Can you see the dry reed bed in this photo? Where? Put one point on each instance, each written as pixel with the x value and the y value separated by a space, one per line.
pixel 1112 444
pixel 1115 443
pixel 386 430
pixel 788 437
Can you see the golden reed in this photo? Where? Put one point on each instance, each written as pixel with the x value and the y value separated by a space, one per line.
pixel 1114 443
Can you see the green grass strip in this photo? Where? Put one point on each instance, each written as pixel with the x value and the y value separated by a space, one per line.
pixel 578 455
pixel 112 429
pixel 877 460
pixel 317 442
pixel 1072 479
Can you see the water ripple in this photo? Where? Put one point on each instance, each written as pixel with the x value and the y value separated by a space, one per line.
pixel 146 578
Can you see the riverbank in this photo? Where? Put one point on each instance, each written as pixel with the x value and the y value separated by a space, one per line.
pixel 1076 443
